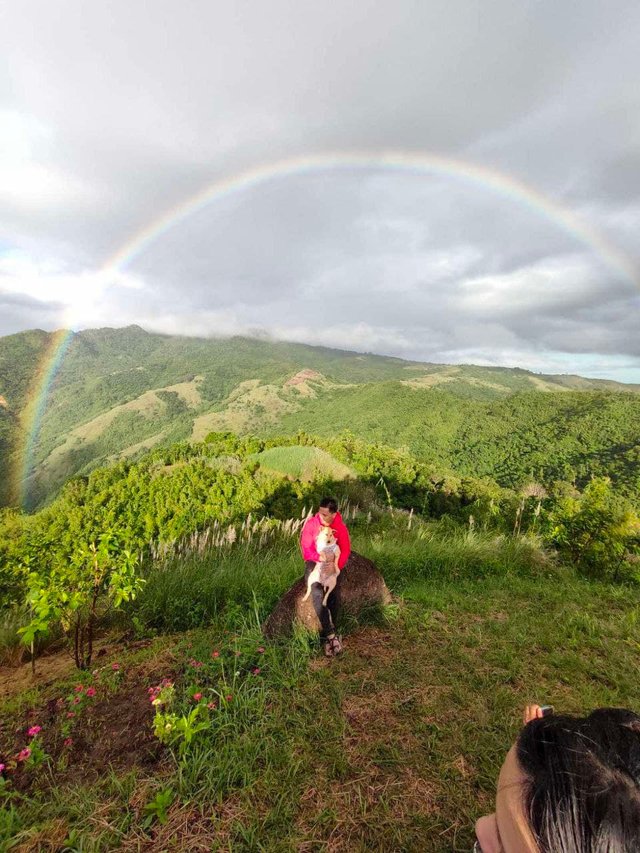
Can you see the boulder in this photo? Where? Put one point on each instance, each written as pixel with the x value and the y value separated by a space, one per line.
pixel 360 586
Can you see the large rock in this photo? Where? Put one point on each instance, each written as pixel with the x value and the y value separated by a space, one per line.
pixel 359 587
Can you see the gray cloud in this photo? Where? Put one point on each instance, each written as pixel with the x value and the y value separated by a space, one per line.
pixel 113 114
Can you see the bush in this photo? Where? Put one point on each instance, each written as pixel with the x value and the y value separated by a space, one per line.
pixel 598 531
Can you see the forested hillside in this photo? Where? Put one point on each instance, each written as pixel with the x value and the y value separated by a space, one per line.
pixel 120 392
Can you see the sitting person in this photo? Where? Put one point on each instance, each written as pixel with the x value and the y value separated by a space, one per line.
pixel 327 516
pixel 568 785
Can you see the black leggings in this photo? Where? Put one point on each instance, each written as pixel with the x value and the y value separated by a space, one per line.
pixel 324 614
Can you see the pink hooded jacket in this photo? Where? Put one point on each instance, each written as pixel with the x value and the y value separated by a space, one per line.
pixel 310 533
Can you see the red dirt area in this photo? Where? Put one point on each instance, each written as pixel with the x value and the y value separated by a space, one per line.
pixel 303 376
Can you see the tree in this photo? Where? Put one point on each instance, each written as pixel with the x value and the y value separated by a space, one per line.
pixel 79 592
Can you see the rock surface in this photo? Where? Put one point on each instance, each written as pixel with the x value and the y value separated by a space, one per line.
pixel 360 586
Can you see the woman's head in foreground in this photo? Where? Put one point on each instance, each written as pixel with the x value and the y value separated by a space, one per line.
pixel 569 785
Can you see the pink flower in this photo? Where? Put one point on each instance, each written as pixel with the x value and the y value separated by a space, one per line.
pixel 115 667
pixel 261 650
pixel 34 730
pixel 215 654
pixel 79 688
pixel 24 754
pixel 197 696
pixel 68 741
pixel 256 671
pixel 211 706
pixel 229 697
pixel 70 715
pixel 91 692
pixel 2 768
pixel 77 700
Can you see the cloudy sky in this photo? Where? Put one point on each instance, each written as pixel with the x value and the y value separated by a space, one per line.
pixel 471 190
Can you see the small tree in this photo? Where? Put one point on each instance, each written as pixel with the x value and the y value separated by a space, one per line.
pixel 78 593
pixel 597 529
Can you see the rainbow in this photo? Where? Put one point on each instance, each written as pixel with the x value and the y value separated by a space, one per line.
pixel 410 163
pixel 31 417
pixel 399 161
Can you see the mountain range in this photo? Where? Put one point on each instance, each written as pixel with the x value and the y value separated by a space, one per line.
pixel 119 392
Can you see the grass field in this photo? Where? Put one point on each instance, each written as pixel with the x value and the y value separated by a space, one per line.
pixel 303 463
pixel 394 746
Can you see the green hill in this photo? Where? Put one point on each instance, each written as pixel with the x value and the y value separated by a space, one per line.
pixel 302 463
pixel 120 392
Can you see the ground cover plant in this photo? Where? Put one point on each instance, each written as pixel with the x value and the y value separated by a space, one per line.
pixel 212 738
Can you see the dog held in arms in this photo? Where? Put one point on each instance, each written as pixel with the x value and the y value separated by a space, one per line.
pixel 325 571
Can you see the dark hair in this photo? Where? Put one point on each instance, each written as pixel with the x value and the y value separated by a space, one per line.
pixel 583 794
pixel 330 504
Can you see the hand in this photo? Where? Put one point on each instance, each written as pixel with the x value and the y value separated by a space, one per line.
pixel 531 712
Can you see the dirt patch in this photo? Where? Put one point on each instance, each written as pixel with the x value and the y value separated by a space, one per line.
pixel 49 669
pixel 114 729
pixel 116 732
pixel 372 644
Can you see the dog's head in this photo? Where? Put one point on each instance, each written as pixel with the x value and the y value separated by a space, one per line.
pixel 326 537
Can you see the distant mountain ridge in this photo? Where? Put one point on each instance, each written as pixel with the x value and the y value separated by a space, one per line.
pixel 119 392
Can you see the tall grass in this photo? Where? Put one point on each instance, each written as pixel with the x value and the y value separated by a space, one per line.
pixel 228 570
pixel 189 591
pixel 437 551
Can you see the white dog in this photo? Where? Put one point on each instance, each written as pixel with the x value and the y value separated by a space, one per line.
pixel 325 571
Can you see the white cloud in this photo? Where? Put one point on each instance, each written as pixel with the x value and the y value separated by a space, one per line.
pixel 27 181
pixel 80 297
pixel 116 115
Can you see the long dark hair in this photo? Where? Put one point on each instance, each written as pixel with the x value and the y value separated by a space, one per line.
pixel 583 793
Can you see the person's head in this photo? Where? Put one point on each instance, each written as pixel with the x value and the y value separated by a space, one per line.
pixel 327 510
pixel 569 784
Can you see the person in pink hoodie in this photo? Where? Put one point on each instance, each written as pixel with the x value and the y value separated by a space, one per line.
pixel 327 516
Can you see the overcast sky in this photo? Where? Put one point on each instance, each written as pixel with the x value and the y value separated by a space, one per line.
pixel 113 113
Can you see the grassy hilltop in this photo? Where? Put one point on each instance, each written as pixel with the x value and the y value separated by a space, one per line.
pixel 121 392
pixel 394 746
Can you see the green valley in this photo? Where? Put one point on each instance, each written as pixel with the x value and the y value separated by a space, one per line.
pixel 120 392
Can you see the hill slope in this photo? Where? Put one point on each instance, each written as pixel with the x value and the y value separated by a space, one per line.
pixel 119 392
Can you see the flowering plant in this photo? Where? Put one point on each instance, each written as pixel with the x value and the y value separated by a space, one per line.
pixel 178 731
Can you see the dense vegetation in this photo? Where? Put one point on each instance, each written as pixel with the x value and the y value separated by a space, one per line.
pixel 525 436
pixel 177 491
pixel 119 392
